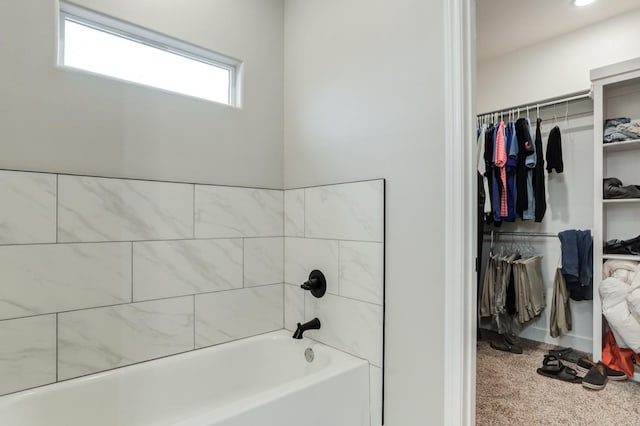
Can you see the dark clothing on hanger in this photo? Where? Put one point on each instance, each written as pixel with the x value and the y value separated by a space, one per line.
pixel 488 160
pixel 554 151
pixel 511 294
pixel 538 178
pixel 577 263
pixel 512 162
pixel 525 148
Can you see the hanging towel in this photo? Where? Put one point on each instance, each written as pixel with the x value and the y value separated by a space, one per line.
pixel 554 151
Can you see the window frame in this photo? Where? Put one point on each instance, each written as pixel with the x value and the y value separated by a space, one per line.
pixel 138 34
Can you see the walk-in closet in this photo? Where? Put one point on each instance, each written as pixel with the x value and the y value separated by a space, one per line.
pixel 558 155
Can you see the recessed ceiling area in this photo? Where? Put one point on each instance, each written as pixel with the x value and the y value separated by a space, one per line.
pixel 505 25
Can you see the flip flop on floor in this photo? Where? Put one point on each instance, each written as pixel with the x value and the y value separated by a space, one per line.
pixel 567 354
pixel 552 367
pixel 551 364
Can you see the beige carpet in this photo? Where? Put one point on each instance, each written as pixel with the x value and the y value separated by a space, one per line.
pixel 510 392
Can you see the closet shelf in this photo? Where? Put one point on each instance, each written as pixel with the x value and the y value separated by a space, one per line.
pixel 622 201
pixel 621 146
pixel 621 257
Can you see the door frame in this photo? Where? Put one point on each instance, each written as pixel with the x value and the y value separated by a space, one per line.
pixel 460 207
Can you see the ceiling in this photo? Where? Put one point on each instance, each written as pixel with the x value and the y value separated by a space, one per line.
pixel 506 25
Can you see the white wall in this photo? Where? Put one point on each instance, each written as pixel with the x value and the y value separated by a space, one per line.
pixel 569 206
pixel 59 120
pixel 364 99
pixel 558 66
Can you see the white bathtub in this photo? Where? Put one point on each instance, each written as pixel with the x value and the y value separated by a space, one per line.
pixel 259 381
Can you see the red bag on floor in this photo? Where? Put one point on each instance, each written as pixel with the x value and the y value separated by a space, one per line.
pixel 620 359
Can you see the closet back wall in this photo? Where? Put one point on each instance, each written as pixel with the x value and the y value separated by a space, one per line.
pixel 62 121
pixel 569 206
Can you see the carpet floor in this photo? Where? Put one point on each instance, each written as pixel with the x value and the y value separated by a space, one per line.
pixel 510 392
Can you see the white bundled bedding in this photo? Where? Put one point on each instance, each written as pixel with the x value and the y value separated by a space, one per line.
pixel 620 295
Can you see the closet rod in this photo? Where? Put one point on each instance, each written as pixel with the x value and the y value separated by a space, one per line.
pixel 520 234
pixel 544 103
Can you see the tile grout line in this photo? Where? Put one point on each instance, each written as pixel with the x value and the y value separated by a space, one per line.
pixel 57 207
pixel 370 405
pixel 132 272
pixel 194 322
pixel 57 348
pixel 339 274
pixel 194 212
pixel 340 296
pixel 187 183
pixel 284 231
pixel 157 240
pixel 137 302
pixel 178 182
pixel 304 236
pixel 243 262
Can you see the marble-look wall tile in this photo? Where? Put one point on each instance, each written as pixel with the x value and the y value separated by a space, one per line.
pixel 27 353
pixel 293 306
pixel 375 384
pixel 99 209
pixel 234 314
pixel 263 261
pixel 302 255
pixel 227 212
pixel 40 279
pixel 178 268
pixel 349 325
pixel 361 271
pixel 351 211
pixel 103 338
pixel 28 213
pixel 294 213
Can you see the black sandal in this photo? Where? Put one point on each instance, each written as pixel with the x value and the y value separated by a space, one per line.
pixel 554 368
pixel 566 354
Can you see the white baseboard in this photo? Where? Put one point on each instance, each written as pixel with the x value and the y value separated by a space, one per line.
pixel 581 343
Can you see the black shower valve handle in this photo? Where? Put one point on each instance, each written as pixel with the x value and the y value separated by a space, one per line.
pixel 316 284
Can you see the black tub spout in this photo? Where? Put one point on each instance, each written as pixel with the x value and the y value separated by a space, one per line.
pixel 314 324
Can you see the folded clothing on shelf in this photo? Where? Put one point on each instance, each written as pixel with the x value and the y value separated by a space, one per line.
pixel 621 129
pixel 613 189
pixel 631 246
